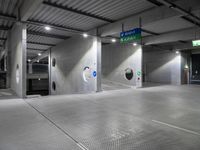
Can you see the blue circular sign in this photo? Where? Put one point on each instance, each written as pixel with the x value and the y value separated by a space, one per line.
pixel 94 73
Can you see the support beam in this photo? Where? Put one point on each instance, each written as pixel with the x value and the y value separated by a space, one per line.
pixel 66 8
pixel 8 17
pixel 181 10
pixel 62 28
pixel 150 32
pixel 28 8
pixel 45 44
pixel 183 35
pixel 39 23
pixel 155 2
pixel 47 35
pixel 157 14
pixel 36 49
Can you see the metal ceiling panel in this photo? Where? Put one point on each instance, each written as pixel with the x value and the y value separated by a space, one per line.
pixel 3 33
pixel 52 31
pixel 43 39
pixel 36 46
pixel 64 18
pixel 112 9
pixel 9 6
pixel 168 25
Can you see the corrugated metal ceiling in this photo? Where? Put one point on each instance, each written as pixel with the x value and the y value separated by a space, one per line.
pixel 9 6
pixel 113 9
pixel 42 39
pixel 64 18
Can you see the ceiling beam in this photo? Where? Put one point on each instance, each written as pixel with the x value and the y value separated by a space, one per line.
pixel 157 14
pixel 8 17
pixel 36 49
pixel 28 8
pixel 4 28
pixel 175 36
pixel 155 2
pixel 47 35
pixel 39 23
pixel 150 32
pixel 37 43
pixel 62 28
pixel 181 10
pixel 66 8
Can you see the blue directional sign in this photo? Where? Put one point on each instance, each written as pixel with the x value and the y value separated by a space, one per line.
pixel 131 35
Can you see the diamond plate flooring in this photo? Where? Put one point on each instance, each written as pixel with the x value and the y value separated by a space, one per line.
pixel 151 118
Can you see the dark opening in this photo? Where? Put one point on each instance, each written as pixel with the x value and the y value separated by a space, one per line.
pixel 54 85
pixel 129 73
pixel 54 62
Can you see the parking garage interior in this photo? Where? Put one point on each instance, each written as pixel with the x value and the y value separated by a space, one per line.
pixel 99 75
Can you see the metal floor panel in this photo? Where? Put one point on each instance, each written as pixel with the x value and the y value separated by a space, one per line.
pixel 22 128
pixel 123 120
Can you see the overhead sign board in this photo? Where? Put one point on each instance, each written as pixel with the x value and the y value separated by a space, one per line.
pixel 131 35
pixel 196 43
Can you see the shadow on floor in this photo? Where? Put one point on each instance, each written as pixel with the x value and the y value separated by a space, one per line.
pixel 7 94
pixel 109 85
pixel 152 84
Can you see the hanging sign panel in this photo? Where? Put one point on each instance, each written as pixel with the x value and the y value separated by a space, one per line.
pixel 196 43
pixel 131 35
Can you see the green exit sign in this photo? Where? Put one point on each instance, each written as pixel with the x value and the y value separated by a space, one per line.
pixel 196 43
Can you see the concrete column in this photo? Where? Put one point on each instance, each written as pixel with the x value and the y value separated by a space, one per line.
pixel 99 50
pixel 17 48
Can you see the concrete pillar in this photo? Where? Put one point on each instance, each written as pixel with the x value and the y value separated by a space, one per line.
pixel 98 55
pixel 17 47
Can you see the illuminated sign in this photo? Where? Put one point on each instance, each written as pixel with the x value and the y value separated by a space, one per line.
pixel 196 43
pixel 131 35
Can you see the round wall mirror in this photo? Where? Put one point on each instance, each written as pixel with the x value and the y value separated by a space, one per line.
pixel 17 74
pixel 128 73
pixel 86 73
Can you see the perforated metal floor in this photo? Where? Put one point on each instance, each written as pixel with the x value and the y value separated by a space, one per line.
pixel 158 118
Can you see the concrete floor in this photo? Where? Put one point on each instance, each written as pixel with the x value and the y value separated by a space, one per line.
pixel 151 118
pixel 7 94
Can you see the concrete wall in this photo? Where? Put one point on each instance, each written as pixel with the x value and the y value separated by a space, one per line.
pixel 17 48
pixel 72 56
pixel 162 66
pixel 116 58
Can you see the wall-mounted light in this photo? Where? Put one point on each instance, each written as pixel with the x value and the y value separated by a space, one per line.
pixel 29 60
pixel 39 79
pixel 113 40
pixel 85 35
pixel 47 28
pixel 177 52
pixel 38 61
pixel 39 54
